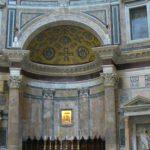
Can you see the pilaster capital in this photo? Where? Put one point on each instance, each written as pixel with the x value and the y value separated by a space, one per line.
pixel 48 93
pixel 84 92
pixel 64 3
pixel 110 79
pixel 2 3
pixel 14 82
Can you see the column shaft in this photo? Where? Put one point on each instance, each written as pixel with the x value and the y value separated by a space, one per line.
pixel 110 119
pixel 13 115
pixel 110 80
pixel 127 134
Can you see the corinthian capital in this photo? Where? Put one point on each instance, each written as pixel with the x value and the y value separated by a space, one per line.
pixel 14 81
pixel 84 92
pixel 110 79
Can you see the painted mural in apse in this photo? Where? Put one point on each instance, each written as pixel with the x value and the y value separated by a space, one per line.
pixel 63 45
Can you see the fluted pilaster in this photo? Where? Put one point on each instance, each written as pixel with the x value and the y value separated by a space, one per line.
pixel 48 112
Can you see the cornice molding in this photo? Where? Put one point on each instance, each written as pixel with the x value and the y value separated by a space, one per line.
pixel 108 52
pixel 62 71
pixel 135 55
pixel 114 53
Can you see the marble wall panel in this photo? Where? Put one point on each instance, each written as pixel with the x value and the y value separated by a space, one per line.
pixel 88 113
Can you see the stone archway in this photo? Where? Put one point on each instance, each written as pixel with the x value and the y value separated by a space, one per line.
pixel 63 18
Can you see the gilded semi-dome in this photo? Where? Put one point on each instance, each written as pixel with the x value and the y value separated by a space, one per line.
pixel 63 45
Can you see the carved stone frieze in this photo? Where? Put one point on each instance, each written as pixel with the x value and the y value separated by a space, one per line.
pixel 48 93
pixel 52 70
pixel 14 81
pixel 110 79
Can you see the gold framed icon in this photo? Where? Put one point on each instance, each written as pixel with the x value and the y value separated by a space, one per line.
pixel 66 117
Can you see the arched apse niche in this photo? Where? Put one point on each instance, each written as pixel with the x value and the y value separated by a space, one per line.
pixel 64 18
pixel 63 45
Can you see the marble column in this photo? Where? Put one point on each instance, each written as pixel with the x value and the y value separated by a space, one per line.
pixel 13 113
pixel 127 134
pixel 110 80
pixel 48 121
pixel 84 113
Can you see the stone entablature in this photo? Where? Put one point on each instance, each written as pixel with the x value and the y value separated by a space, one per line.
pixel 111 52
pixel 15 55
pixel 69 70
pixel 121 57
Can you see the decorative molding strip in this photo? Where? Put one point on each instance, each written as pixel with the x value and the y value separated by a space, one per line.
pixel 52 70
pixel 75 98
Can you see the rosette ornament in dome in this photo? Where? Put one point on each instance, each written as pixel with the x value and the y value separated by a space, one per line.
pixel 63 45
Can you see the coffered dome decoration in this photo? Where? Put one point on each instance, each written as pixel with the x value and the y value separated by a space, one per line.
pixel 63 45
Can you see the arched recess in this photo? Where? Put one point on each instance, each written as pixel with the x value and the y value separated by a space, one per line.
pixel 63 18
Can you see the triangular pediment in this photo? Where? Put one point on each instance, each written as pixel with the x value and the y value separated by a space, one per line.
pixel 137 101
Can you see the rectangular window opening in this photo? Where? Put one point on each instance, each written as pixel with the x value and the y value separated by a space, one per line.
pixel 138 23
